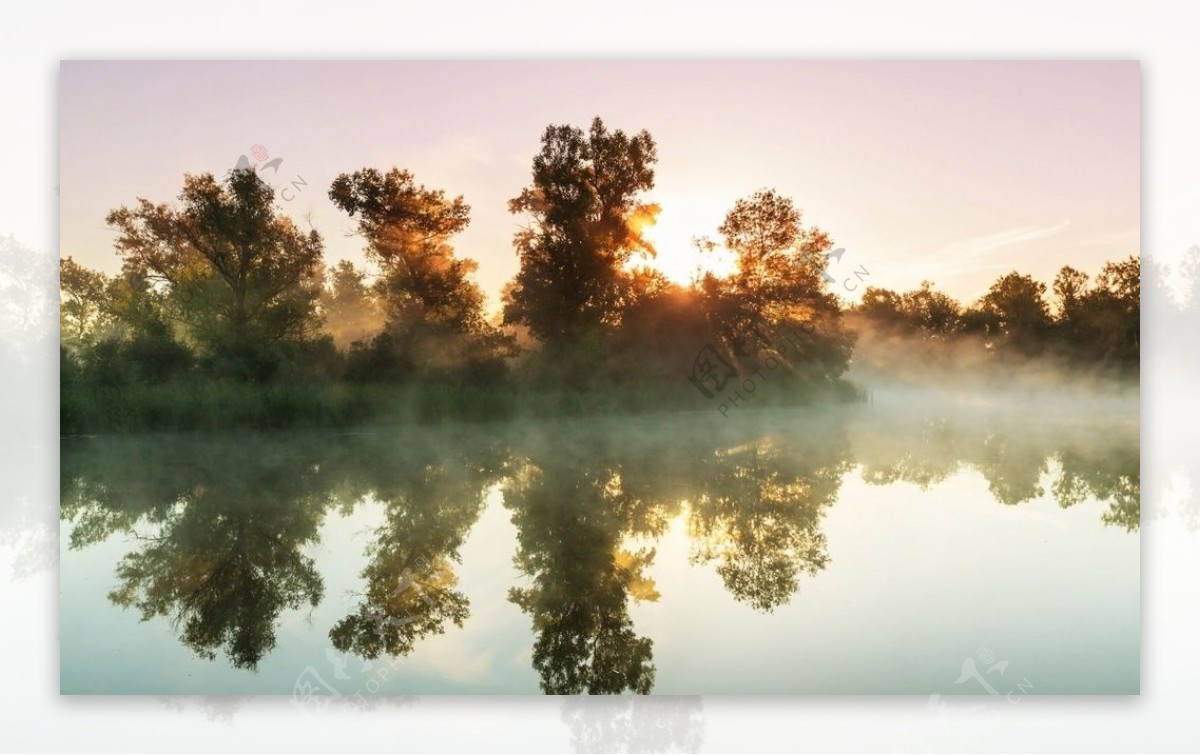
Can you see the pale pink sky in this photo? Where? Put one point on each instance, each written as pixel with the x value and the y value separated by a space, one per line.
pixel 955 172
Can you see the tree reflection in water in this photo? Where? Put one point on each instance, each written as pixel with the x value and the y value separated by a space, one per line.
pixel 222 526
pixel 432 496
pixel 224 555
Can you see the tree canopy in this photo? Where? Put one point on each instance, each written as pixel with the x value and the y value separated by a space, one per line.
pixel 586 208
pixel 434 312
pixel 220 294
pixel 237 275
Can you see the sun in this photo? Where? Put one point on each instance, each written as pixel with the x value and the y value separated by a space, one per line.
pixel 672 234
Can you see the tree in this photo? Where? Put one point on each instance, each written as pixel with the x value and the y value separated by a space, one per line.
pixel 82 309
pixel 757 516
pixel 778 285
pixel 1071 297
pixel 1070 287
pixel 434 311
pixel 113 329
pixel 431 498
pixel 1107 326
pixel 1014 310
pixel 1123 280
pixel 882 306
pixel 348 305
pixel 571 516
pixel 935 313
pixel 586 210
pixel 239 276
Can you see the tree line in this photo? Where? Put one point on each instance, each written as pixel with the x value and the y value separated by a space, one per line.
pixel 225 313
pixel 1080 321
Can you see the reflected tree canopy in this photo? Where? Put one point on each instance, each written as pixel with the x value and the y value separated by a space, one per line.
pixel 635 724
pixel 758 516
pixel 575 521
pixel 220 530
pixel 1111 475
pixel 1020 461
pixel 431 497
pixel 219 540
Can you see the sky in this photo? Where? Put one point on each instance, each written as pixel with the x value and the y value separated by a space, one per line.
pixel 954 172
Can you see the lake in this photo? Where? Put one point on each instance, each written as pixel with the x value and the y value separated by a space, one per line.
pixel 913 546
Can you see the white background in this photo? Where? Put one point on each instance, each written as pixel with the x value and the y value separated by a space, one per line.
pixel 34 36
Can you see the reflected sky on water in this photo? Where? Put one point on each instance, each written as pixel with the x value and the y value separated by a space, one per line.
pixel 987 549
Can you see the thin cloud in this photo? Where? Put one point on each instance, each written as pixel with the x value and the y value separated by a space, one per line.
pixel 967 254
pixel 992 242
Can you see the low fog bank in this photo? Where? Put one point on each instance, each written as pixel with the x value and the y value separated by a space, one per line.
pixel 900 373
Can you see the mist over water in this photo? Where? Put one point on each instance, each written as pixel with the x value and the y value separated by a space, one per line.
pixel 675 553
pixel 622 485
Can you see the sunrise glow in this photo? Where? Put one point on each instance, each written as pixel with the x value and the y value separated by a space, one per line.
pixel 674 234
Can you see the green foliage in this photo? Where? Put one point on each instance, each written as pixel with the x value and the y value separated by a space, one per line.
pixel 777 288
pixel 586 213
pixel 219 530
pixel 224 314
pixel 82 304
pixel 430 507
pixel 434 312
pixel 1102 324
pixel 1094 326
pixel 350 308
pixel 235 274
pixel 1016 313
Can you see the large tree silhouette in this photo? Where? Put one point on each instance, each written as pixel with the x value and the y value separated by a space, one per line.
pixel 586 213
pixel 240 276
pixel 1014 313
pixel 434 311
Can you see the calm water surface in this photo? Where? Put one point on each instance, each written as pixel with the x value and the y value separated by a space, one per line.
pixel 952 550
